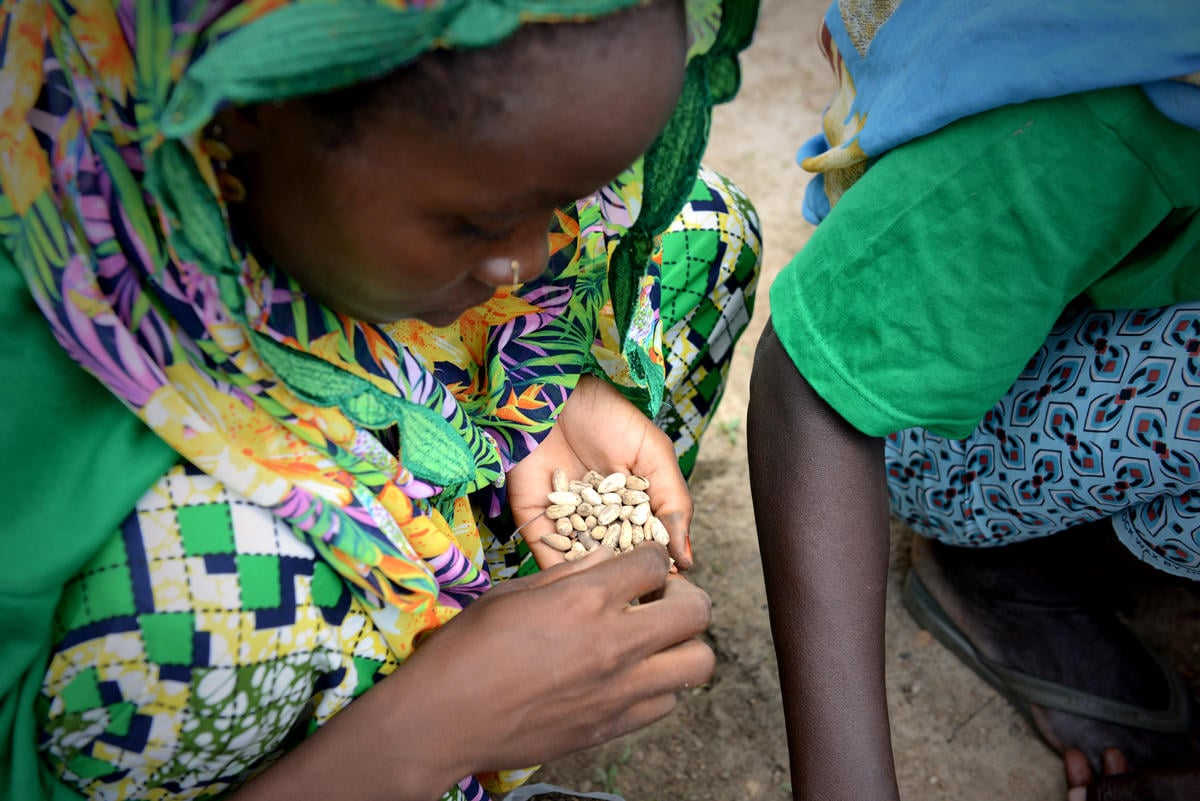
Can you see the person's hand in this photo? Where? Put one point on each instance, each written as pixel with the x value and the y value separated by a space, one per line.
pixel 599 430
pixel 537 668
pixel 1120 784
pixel 560 661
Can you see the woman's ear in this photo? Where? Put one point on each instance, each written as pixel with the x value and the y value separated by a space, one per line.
pixel 240 128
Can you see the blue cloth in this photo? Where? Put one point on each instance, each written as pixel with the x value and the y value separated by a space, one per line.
pixel 936 61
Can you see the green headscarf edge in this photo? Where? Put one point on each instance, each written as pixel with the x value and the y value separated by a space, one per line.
pixel 670 167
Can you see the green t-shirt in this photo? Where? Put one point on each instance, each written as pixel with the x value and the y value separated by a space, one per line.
pixel 924 293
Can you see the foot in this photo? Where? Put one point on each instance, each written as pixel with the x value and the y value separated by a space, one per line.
pixel 1120 784
pixel 1033 607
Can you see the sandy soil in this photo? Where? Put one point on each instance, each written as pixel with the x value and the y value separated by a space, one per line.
pixel 953 737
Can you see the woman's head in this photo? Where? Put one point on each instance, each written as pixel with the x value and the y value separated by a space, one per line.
pixel 411 196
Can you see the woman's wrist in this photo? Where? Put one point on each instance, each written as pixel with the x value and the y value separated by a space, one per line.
pixel 388 764
pixel 414 768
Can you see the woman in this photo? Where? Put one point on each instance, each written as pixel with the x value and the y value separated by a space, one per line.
pixel 991 331
pixel 304 245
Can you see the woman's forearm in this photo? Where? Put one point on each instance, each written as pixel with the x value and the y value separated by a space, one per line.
pixel 820 501
pixel 364 753
pixel 467 702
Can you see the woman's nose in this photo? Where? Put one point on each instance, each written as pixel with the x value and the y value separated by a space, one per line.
pixel 517 265
pixel 532 257
pixel 499 271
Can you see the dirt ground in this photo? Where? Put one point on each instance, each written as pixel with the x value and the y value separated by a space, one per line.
pixel 953 737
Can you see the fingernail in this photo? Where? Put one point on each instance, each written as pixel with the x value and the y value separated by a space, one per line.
pixel 687 547
pixel 1077 794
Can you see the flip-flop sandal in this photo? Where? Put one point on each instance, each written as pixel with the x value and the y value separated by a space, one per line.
pixel 1021 689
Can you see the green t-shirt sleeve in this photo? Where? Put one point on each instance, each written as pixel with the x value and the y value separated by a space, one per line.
pixel 923 294
pixel 75 462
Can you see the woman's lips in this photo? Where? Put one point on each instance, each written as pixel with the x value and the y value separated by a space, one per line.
pixel 448 314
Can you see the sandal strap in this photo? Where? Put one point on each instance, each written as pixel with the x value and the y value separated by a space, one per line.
pixel 1021 689
pixel 1175 718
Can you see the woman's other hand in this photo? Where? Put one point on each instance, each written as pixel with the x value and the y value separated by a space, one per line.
pixel 600 430
pixel 537 668
pixel 1120 784
pixel 568 662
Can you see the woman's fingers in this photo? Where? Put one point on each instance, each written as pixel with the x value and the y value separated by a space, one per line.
pixel 680 611
pixel 660 680
pixel 678 524
pixel 670 499
pixel 593 665
pixel 652 688
pixel 633 574
pixel 553 572
pixel 639 715
pixel 617 579
pixel 683 666
pixel 556 567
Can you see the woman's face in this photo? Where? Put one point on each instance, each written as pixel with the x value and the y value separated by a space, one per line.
pixel 416 219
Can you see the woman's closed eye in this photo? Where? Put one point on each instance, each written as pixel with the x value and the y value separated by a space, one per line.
pixel 470 230
pixel 532 220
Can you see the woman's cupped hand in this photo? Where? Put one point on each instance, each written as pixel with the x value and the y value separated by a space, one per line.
pixel 598 429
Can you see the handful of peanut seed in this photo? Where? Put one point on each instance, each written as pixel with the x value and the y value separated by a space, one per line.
pixel 611 510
